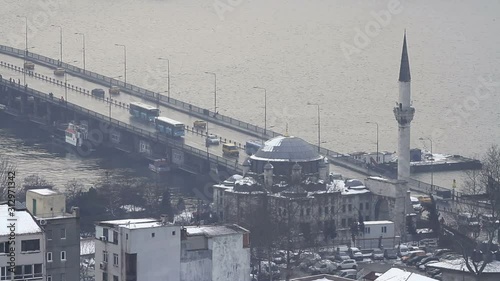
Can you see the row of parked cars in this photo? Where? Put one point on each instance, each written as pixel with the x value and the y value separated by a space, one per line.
pixel 421 260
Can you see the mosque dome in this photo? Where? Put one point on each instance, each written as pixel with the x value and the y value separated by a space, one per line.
pixel 286 149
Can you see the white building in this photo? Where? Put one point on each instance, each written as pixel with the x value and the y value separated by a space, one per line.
pixel 396 274
pixel 29 247
pixel 148 249
pixel 377 233
pixel 215 253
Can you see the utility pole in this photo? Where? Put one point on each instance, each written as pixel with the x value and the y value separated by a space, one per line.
pixel 319 125
pixel 83 35
pixel 377 138
pixel 168 76
pixel 215 91
pixel 26 51
pixel 124 60
pixel 265 109
pixel 60 41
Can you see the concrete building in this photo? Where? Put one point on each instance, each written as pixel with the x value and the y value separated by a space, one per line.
pixel 404 112
pixel 456 270
pixel 148 249
pixel 62 233
pixel 29 248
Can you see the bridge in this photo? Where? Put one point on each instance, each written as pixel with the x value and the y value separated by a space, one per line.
pixel 190 154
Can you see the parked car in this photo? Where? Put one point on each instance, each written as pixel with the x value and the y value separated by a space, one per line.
pixel 423 267
pixel 402 250
pixel 426 260
pixel 377 254
pixel 441 252
pixel 412 254
pixel 212 139
pixel 355 254
pixel 414 260
pixel 347 264
pixel 367 253
pixel 390 254
pixel 322 267
pixel 348 273
pixel 341 256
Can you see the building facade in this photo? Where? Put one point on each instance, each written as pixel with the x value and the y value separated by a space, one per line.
pixel 148 249
pixel 27 254
pixel 62 233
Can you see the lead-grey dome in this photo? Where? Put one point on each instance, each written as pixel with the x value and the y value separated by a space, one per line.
pixel 286 149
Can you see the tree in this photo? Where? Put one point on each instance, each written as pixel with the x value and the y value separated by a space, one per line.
pixel 36 181
pixel 433 216
pixel 486 182
pixel 7 169
pixel 72 189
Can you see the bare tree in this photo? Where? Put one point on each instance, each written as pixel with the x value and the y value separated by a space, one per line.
pixel 6 170
pixel 72 189
pixel 486 181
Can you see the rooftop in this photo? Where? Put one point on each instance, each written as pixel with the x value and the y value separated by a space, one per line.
pixel 215 230
pixel 322 277
pixel 396 274
pixel 286 149
pixel 43 191
pixel 459 265
pixel 133 223
pixel 25 223
pixel 377 222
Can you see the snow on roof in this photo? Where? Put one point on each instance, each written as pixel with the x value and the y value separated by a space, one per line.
pixel 134 223
pixel 459 265
pixel 377 222
pixel 396 274
pixel 87 246
pixel 43 191
pixel 215 230
pixel 25 223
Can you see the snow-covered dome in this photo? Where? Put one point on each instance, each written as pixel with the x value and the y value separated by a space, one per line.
pixel 286 149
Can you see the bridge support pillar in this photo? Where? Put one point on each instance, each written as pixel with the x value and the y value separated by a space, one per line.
pixel 49 113
pixel 24 103
pixel 35 106
pixel 10 98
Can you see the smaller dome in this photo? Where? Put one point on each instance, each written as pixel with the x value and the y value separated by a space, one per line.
pixel 268 166
pixel 286 149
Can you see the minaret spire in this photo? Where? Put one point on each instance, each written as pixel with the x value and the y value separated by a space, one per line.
pixel 404 70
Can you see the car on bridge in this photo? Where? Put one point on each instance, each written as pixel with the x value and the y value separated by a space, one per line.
pixel 29 65
pixel 98 93
pixel 230 150
pixel 212 139
pixel 59 71
pixel 199 124
pixel 114 90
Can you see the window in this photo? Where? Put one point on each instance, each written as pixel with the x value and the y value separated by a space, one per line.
pixel 153 234
pixel 343 222
pixel 349 221
pixel 343 208
pixel 115 278
pixel 38 270
pixel 49 234
pixel 4 274
pixel 49 256
pixel 30 245
pixel 126 236
pixel 349 207
pixel 63 255
pixel 332 209
pixel 63 277
pixel 384 229
pixel 115 237
pixel 367 230
pixel 105 233
pixel 104 276
pixel 4 247
pixel 360 206
pixel 63 233
pixel 115 259
pixel 173 233
pixel 49 277
pixel 104 256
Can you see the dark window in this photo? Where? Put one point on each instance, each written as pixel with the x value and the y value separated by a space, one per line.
pixel 115 278
pixel 349 221
pixel 115 237
pixel 367 218
pixel 104 256
pixel 63 255
pixel 153 234
pixel 38 270
pixel 349 207
pixel 49 234
pixel 343 208
pixel 343 222
pixel 126 236
pixel 63 233
pixel 104 276
pixel 49 256
pixel 4 247
pixel 105 233
pixel 115 259
pixel 173 233
pixel 30 245
pixel 49 277
pixel 18 272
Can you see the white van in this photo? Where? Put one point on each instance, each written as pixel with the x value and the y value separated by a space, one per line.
pixel 345 272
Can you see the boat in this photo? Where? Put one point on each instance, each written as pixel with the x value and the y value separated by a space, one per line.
pixel 159 166
pixel 75 134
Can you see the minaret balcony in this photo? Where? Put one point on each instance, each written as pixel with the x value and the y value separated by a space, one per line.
pixel 404 115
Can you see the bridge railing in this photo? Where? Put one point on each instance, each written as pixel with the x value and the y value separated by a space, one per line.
pixel 124 126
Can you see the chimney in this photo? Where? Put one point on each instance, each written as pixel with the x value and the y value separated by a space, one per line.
pixel 183 233
pixel 76 211
pixel 323 169
pixel 268 175
pixel 164 219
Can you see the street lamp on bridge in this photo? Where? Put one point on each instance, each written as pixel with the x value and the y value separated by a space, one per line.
pixel 215 91
pixel 168 74
pixel 60 41
pixel 83 36
pixel 377 136
pixel 124 60
pixel 158 99
pixel 319 125
pixel 265 108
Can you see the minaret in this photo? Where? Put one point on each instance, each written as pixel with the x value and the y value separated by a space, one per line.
pixel 404 115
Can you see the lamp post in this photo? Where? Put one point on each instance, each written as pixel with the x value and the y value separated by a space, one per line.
pixel 61 41
pixel 215 91
pixel 124 60
pixel 432 163
pixel 168 76
pixel 83 36
pixel 158 99
pixel 26 51
pixel 319 125
pixel 110 100
pixel 377 136
pixel 265 109
pixel 66 85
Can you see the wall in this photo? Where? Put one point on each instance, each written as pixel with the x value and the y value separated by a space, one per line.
pixel 230 260
pixel 196 265
pixel 46 205
pixel 461 276
pixel 71 244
